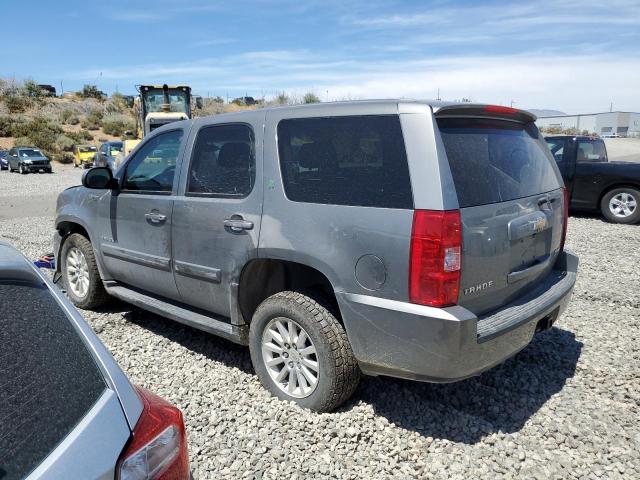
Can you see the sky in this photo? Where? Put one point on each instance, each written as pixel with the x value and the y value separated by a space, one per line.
pixel 573 56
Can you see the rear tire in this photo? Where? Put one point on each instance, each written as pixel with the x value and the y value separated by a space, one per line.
pixel 621 205
pixel 336 372
pixel 80 275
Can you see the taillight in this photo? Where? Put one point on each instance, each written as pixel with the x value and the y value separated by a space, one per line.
pixel 434 270
pixel 158 447
pixel 565 218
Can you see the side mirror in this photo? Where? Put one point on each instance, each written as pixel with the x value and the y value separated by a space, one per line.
pixel 99 178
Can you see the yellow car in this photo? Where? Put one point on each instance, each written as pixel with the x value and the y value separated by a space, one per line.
pixel 84 155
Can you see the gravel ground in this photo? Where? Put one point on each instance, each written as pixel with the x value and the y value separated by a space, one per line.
pixel 63 176
pixel 565 407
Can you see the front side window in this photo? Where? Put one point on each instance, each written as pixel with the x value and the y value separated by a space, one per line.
pixel 354 160
pixel 591 150
pixel 153 167
pixel 223 161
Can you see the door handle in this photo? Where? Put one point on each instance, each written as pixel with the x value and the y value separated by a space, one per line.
pixel 238 224
pixel 155 217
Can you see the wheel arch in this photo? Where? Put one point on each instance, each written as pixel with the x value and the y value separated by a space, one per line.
pixel 66 226
pixel 262 277
pixel 613 186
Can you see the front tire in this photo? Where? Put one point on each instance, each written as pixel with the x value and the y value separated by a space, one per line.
pixel 621 205
pixel 301 352
pixel 22 170
pixel 80 275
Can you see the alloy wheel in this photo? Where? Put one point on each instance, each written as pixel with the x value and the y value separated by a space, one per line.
pixel 290 357
pixel 623 205
pixel 77 272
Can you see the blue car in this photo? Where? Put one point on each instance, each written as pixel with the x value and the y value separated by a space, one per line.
pixel 4 163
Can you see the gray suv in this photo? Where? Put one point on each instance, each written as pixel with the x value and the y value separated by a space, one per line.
pixel 415 240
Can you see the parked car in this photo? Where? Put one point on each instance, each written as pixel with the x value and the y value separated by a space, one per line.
pixel 84 155
pixel 27 160
pixel 108 154
pixel 4 163
pixel 67 409
pixel 593 182
pixel 422 241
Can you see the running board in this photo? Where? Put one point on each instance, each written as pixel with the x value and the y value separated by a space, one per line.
pixel 208 323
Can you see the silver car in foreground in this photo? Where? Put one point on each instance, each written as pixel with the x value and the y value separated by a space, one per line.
pixel 67 411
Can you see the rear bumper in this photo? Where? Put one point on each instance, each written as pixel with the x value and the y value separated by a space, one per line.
pixel 404 340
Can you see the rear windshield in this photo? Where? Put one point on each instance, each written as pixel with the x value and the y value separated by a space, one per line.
pixel 354 160
pixel 48 379
pixel 496 161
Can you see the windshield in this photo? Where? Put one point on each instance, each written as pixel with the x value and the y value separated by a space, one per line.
pixel 496 161
pixel 87 149
pixel 49 378
pixel 30 152
pixel 178 101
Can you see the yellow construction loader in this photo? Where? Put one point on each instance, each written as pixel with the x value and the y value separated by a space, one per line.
pixel 155 106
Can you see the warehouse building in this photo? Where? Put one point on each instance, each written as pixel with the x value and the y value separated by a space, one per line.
pixel 623 124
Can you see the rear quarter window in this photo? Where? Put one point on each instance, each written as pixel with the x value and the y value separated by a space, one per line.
pixel 351 160
pixel 48 378
pixel 495 161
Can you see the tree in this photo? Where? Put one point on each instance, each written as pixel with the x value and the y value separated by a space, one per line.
pixel 310 97
pixel 31 89
pixel 91 91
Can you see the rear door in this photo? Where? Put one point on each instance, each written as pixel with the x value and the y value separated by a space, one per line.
pixel 510 197
pixel 217 214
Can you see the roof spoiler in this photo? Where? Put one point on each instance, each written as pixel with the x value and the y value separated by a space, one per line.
pixel 486 111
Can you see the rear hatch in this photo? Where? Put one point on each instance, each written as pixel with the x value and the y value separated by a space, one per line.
pixel 511 202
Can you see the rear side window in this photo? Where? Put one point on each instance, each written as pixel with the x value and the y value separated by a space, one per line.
pixel 591 150
pixel 496 161
pixel 558 147
pixel 223 161
pixel 356 160
pixel 48 378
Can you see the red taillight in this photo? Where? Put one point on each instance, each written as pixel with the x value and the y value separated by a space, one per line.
pixel 565 218
pixel 434 265
pixel 499 109
pixel 158 447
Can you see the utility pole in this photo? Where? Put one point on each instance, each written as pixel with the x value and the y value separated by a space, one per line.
pixel 611 107
pixel 511 104
pixel 438 95
pixel 327 95
pixel 61 88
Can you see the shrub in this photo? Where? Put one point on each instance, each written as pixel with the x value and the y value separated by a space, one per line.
pixel 92 121
pixel 31 89
pixel 8 125
pixel 117 124
pixel 64 157
pixel 91 91
pixel 80 137
pixel 282 99
pixel 217 99
pixel 65 143
pixel 69 117
pixel 22 142
pixel 310 97
pixel 16 103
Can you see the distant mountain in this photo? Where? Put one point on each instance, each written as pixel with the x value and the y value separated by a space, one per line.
pixel 539 112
